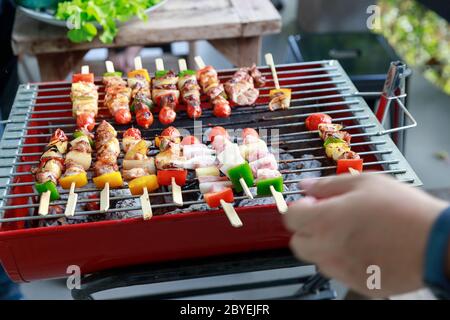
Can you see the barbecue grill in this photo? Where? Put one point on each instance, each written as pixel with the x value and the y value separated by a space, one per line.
pixel 33 247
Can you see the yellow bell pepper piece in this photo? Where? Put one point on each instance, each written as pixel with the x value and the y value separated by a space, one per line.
pixel 141 147
pixel 114 179
pixel 285 91
pixel 80 180
pixel 141 72
pixel 137 185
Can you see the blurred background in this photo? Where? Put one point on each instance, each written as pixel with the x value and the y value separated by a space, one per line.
pixel 416 31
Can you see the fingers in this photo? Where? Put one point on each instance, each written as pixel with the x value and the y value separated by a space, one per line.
pixel 300 213
pixel 306 248
pixel 330 187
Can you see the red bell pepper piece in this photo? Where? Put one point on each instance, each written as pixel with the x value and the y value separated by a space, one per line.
pixel 212 199
pixel 343 165
pixel 165 177
pixel 83 77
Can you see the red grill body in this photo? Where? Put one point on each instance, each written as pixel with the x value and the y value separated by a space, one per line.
pixel 29 253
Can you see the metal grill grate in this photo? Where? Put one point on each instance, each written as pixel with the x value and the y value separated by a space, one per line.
pixel 321 86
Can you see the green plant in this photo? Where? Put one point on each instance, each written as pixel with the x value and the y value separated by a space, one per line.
pixel 420 36
pixel 83 15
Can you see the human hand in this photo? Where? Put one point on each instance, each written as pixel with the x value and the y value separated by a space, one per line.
pixel 347 223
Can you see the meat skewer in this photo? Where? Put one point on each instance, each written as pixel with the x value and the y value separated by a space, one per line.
pixel 269 180
pixel 189 90
pixel 84 98
pixel 336 143
pixel 216 189
pixel 138 169
pixel 139 83
pixel 167 162
pixel 231 163
pixel 280 98
pixel 106 170
pixel 241 87
pixel 211 86
pixel 51 166
pixel 78 160
pixel 117 95
pixel 165 93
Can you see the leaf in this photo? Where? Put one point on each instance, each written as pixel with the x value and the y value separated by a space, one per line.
pixel 90 29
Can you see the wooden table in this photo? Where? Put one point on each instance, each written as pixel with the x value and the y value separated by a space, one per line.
pixel 234 27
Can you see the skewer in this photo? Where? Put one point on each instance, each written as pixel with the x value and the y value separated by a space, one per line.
pixel 245 188
pixel 109 67
pixel 137 63
pixel 104 198
pixel 199 62
pixel 280 98
pixel 182 65
pixel 73 197
pixel 71 202
pixel 176 193
pixel 279 200
pixel 146 205
pixel 231 214
pixel 159 64
pixel 44 203
pixel 271 64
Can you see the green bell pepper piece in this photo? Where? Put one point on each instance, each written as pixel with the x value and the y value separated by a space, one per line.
pixel 332 140
pixel 263 186
pixel 79 133
pixel 48 186
pixel 161 73
pixel 187 72
pixel 113 74
pixel 241 171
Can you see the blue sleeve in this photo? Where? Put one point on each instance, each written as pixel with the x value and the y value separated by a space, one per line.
pixel 8 289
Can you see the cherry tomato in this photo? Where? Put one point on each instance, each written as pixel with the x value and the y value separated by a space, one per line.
pixel 133 132
pixel 86 121
pixel 217 131
pixel 81 77
pixel 144 119
pixel 249 132
pixel 313 121
pixel 171 132
pixel 222 110
pixel 194 112
pixel 123 116
pixel 189 140
pixel 167 115
pixel 202 71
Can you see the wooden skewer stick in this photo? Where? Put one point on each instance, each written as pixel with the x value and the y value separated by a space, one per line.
pixel 137 63
pixel 271 64
pixel 44 203
pixel 104 198
pixel 232 216
pixel 159 64
pixel 182 65
pixel 176 193
pixel 199 61
pixel 84 69
pixel 71 202
pixel 147 212
pixel 279 200
pixel 245 188
pixel 109 66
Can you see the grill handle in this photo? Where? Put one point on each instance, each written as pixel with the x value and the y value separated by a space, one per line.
pixel 394 93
